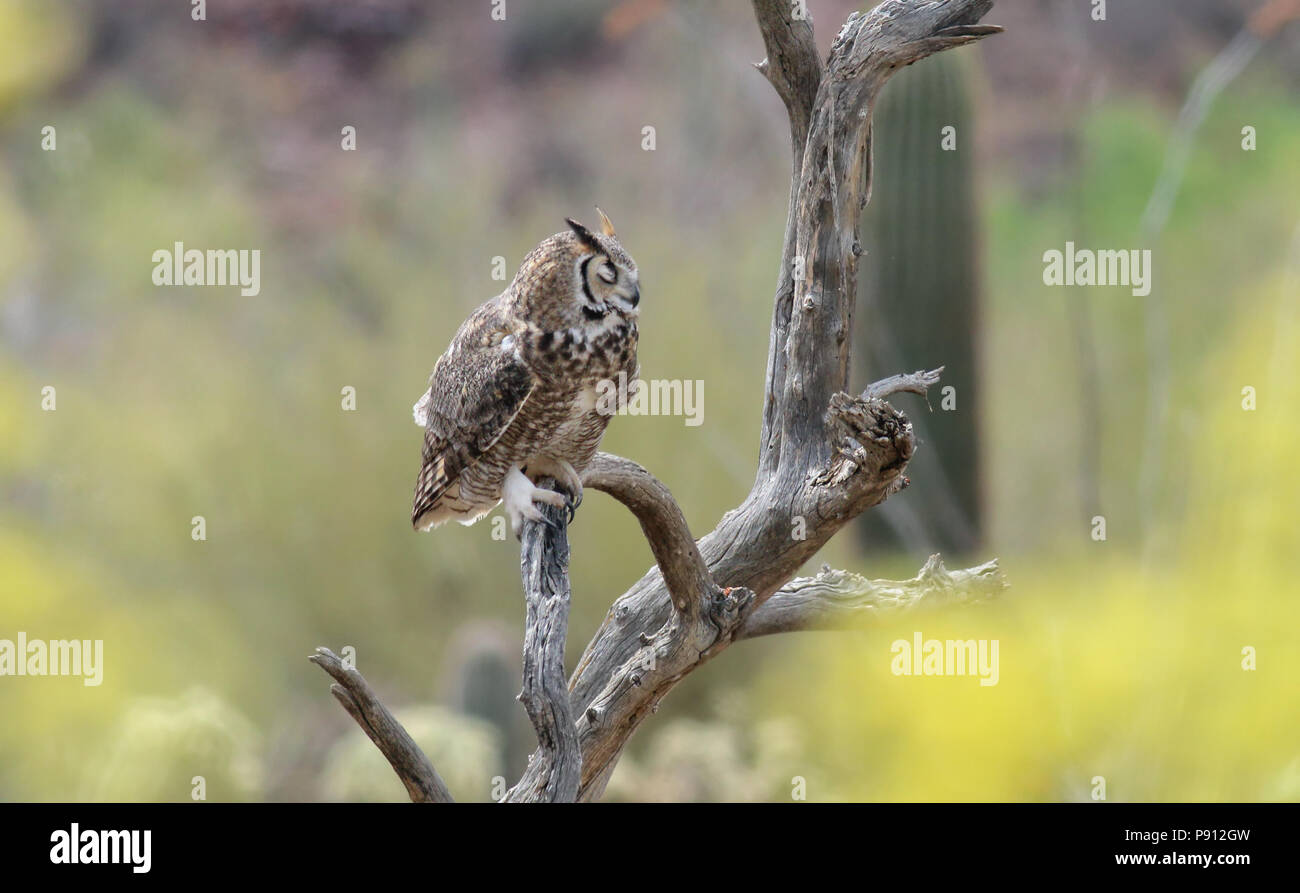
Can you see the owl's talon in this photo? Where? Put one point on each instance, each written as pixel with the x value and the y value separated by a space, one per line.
pixel 565 475
pixel 517 519
pixel 550 497
pixel 519 497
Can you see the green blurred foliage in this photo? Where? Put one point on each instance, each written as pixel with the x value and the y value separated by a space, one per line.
pixel 38 43
pixel 1231 228
pixel 1108 668
pixel 192 747
pixel 466 752
pixel 734 756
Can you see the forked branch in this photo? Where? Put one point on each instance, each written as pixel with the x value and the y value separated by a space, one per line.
pixel 825 453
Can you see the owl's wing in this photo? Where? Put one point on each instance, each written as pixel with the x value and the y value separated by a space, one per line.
pixel 474 393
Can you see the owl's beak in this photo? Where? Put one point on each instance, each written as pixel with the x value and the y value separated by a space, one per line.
pixel 636 296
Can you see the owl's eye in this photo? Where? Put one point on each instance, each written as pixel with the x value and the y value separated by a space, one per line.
pixel 607 273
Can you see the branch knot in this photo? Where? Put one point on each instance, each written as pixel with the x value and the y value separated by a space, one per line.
pixel 871 434
pixel 728 607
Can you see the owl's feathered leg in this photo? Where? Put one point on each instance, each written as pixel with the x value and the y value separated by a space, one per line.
pixel 563 472
pixel 518 495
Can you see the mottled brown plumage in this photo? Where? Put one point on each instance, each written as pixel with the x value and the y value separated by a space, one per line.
pixel 515 392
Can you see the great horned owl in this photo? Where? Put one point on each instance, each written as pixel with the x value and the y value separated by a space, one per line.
pixel 515 395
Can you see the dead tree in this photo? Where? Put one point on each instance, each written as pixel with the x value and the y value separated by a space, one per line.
pixel 825 454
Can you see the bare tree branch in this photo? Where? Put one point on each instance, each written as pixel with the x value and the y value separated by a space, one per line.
pixel 809 350
pixel 795 71
pixel 918 382
pixel 792 64
pixel 836 599
pixel 685 574
pixel 409 762
pixel 825 456
pixel 544 566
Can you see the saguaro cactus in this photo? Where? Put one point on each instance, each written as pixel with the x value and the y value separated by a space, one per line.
pixel 918 299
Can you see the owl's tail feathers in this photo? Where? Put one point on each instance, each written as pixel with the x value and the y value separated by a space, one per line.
pixel 427 521
pixel 430 487
pixel 438 501
pixel 442 513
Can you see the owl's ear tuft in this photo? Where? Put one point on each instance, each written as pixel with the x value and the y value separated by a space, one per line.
pixel 605 226
pixel 584 235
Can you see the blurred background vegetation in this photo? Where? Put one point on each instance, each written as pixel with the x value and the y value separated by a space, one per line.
pixel 475 138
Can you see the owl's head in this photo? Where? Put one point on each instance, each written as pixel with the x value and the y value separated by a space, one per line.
pixel 578 278
pixel 605 276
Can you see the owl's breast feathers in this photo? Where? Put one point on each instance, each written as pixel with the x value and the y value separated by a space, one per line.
pixel 506 391
pixel 580 356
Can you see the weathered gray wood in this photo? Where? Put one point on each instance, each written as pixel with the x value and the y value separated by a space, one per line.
pixel 686 576
pixel 422 781
pixel 544 567
pixel 918 382
pixel 794 69
pixel 836 599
